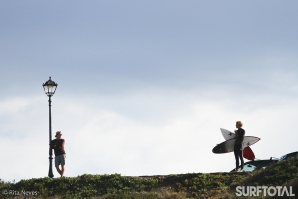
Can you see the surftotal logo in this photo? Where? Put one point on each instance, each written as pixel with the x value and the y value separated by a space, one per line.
pixel 264 190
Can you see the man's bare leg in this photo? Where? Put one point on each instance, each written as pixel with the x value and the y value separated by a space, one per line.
pixel 62 170
pixel 58 169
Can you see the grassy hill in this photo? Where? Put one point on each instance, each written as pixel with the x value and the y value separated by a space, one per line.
pixel 192 185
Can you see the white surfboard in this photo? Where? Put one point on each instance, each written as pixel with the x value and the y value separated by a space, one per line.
pixel 247 151
pixel 228 146
pixel 227 134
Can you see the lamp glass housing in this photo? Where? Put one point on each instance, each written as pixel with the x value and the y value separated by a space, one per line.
pixel 50 87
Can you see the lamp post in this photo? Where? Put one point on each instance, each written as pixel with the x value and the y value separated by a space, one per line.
pixel 50 88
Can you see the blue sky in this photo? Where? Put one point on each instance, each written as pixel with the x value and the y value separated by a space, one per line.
pixel 145 86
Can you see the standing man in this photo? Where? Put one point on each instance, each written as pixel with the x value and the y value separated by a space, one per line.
pixel 238 144
pixel 58 146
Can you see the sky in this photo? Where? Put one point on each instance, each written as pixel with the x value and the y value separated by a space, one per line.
pixel 145 86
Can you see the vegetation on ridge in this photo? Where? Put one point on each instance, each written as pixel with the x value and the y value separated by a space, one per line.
pixel 192 185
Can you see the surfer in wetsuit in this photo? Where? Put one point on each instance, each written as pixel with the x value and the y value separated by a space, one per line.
pixel 238 144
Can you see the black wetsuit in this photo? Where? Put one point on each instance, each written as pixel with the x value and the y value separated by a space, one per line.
pixel 238 147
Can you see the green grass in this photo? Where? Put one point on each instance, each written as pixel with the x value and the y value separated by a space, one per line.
pixel 180 186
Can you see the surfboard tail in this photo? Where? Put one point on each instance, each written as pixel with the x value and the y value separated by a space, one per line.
pixel 248 153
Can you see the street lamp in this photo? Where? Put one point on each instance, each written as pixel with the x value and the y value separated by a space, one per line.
pixel 50 88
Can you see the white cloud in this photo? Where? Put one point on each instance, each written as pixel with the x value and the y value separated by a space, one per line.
pixel 155 132
pixel 13 106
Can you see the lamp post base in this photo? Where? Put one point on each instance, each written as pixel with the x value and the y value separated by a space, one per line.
pixel 50 174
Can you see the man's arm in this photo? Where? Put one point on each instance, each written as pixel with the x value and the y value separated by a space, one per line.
pixel 242 135
pixel 62 145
